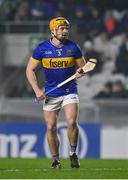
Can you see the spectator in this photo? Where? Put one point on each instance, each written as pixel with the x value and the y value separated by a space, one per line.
pixel 110 23
pixel 122 58
pixel 36 10
pixel 106 92
pixel 49 9
pixel 124 21
pixel 103 45
pixel 6 8
pixel 22 12
pixel 119 90
pixel 80 20
pixel 89 52
pixel 95 23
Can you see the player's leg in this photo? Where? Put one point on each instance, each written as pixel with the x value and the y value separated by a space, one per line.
pixel 71 113
pixel 51 118
pixel 71 116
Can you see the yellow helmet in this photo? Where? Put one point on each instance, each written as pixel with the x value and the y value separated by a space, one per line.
pixel 56 22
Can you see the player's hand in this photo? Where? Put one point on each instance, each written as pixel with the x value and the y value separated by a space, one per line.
pixel 79 72
pixel 40 95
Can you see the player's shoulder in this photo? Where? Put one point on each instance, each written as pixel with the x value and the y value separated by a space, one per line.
pixel 73 44
pixel 70 42
pixel 43 44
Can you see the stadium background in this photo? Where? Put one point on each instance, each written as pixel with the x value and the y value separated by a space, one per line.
pixel 101 29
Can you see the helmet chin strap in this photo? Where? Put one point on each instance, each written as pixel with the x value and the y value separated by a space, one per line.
pixel 54 35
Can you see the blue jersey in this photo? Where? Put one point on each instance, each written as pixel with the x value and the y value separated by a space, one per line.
pixel 58 64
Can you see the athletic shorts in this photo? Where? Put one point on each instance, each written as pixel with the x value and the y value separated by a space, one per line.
pixel 54 103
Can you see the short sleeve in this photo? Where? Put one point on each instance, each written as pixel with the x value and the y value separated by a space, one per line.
pixel 78 52
pixel 37 54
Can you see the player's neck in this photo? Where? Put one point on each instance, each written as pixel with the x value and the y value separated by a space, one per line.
pixel 56 42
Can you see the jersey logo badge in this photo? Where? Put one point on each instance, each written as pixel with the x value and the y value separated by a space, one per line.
pixel 69 52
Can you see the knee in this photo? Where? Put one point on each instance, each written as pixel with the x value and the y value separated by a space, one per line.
pixel 72 124
pixel 51 128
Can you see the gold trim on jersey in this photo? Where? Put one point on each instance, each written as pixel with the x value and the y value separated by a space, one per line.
pixel 53 63
pixel 35 60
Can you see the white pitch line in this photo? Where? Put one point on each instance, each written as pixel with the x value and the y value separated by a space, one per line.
pixel 23 170
pixel 63 169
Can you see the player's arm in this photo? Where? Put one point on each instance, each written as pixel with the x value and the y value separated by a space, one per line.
pixel 80 63
pixel 30 74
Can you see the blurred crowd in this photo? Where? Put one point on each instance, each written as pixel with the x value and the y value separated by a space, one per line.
pixel 113 90
pixel 91 16
pixel 103 25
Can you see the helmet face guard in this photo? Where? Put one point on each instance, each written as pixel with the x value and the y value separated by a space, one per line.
pixel 56 22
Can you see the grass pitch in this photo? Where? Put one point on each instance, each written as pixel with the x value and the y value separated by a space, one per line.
pixel 40 169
